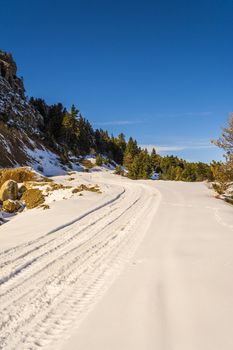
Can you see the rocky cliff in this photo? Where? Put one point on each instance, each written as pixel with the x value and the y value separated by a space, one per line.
pixel 14 108
pixel 21 142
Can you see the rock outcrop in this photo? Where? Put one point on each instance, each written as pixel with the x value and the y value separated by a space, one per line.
pixel 21 140
pixel 14 107
pixel 8 70
pixel 9 190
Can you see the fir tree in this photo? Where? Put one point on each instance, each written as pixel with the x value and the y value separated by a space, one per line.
pixel 131 151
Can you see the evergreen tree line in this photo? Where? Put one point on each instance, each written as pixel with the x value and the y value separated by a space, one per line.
pixel 68 132
pixel 141 165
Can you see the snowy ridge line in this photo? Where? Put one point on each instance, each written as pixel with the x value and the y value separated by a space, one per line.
pixel 69 223
pixel 50 241
pixel 66 290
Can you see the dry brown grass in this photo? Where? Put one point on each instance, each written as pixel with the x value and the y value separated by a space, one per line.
pixel 18 174
pixel 10 206
pixel 45 206
pixel 87 163
pixel 33 198
pixel 86 188
pixel 229 200
pixel 55 186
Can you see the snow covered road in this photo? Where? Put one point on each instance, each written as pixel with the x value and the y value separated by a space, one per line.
pixel 150 270
pixel 51 282
pixel 177 292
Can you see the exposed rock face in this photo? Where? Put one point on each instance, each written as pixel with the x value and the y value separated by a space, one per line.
pixel 22 189
pixel 11 206
pixel 9 190
pixel 14 107
pixel 22 139
pixel 8 71
pixel 20 122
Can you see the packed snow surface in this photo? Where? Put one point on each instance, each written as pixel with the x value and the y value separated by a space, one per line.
pixel 144 265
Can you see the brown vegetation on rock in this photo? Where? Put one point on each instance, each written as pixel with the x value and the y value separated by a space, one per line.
pixel 55 186
pixel 83 187
pixel 11 206
pixel 33 198
pixel 19 175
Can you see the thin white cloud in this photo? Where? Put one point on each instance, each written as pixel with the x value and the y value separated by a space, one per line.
pixel 119 122
pixel 160 148
pixel 173 148
pixel 200 114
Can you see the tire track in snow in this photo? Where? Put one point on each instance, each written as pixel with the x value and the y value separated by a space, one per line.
pixel 70 281
pixel 21 261
pixel 109 203
pixel 66 254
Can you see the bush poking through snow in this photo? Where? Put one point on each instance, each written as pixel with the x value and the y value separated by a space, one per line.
pixel 86 188
pixel 219 188
pixel 87 163
pixel 33 198
pixel 55 186
pixel 99 160
pixel 45 206
pixel 119 170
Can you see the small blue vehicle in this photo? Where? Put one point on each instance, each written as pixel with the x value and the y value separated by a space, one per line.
pixel 155 176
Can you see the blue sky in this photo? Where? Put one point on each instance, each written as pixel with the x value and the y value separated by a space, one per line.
pixel 161 71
